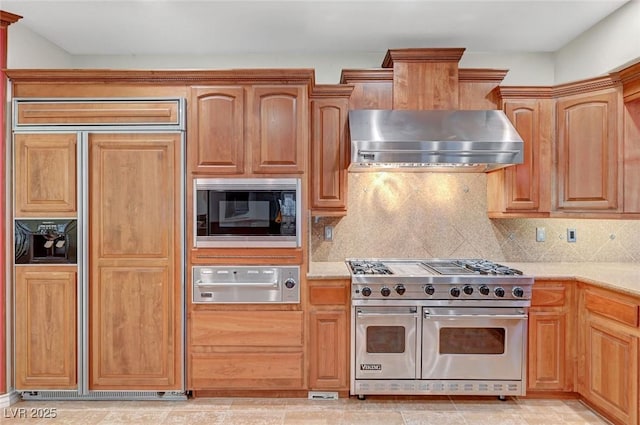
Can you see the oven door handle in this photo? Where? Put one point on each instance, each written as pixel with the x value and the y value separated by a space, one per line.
pixel 201 284
pixel 428 315
pixel 411 312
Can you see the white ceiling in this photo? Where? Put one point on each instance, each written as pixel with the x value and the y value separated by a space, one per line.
pixel 209 27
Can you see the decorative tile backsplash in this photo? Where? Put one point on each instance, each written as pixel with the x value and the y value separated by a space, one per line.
pixel 438 215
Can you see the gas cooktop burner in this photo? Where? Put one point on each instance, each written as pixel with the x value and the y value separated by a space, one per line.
pixel 368 267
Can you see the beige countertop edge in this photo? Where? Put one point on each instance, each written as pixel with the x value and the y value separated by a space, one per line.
pixel 623 277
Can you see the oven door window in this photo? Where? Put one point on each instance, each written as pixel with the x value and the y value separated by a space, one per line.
pixel 386 339
pixel 487 341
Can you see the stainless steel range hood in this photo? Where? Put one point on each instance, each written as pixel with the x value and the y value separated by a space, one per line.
pixel 438 140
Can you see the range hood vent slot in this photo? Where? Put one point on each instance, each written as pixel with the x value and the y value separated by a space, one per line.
pixel 433 140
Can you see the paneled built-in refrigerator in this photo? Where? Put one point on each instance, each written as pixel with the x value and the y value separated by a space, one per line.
pixel 98 207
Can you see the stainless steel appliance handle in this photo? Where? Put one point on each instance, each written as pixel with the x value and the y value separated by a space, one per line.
pixel 388 313
pixel 428 315
pixel 200 283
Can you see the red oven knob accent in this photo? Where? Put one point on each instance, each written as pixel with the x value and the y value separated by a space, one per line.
pixel 400 289
pixel 385 291
pixel 455 292
pixel 467 289
pixel 499 292
pixel 290 283
pixel 366 291
pixel 429 290
pixel 518 292
pixel 484 290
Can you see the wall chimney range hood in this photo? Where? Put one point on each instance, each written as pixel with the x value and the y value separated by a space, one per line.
pixel 433 140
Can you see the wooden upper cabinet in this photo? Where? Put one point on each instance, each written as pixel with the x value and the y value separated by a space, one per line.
pixel 216 130
pixel 45 328
pixel 525 189
pixel 329 150
pixel 45 175
pixel 588 171
pixel 278 128
pixel 257 129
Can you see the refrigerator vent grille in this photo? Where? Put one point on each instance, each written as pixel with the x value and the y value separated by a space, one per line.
pixel 103 395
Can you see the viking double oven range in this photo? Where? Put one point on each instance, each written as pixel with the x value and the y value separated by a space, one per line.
pixel 438 326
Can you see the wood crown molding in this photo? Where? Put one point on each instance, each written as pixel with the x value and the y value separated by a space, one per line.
pixel 239 76
pixel 525 92
pixel 422 55
pixel 376 75
pixel 7 18
pixel 481 75
pixel 586 86
pixel 630 77
pixel 331 90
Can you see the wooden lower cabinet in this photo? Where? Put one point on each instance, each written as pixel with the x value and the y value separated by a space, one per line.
pixel 245 350
pixel 551 351
pixel 608 361
pixel 45 327
pixel 328 326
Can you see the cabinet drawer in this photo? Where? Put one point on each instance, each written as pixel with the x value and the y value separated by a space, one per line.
pixel 329 295
pixel 246 328
pixel 614 308
pixel 107 112
pixel 548 297
pixel 256 371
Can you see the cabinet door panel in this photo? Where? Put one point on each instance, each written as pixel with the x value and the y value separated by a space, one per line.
pixel 328 350
pixel 588 129
pixel 217 130
pixel 45 167
pixel 547 354
pixel 134 261
pixel 45 328
pixel 278 129
pixel 328 154
pixel 522 180
pixel 611 371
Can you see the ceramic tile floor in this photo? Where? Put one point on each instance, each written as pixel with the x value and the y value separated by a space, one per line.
pixel 261 411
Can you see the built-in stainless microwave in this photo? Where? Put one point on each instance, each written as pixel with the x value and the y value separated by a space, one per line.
pixel 247 212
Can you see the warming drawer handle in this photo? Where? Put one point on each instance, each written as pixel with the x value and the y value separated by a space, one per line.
pixel 200 283
pixel 428 315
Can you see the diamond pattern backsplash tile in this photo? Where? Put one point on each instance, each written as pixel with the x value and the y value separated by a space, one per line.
pixel 439 215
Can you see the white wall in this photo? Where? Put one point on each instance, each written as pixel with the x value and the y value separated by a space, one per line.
pixel 26 49
pixel 609 45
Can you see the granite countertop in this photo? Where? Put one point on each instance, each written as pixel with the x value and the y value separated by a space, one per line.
pixel 623 277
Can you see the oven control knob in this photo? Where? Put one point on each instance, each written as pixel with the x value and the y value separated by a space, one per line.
pixel 467 289
pixel 366 291
pixel 518 292
pixel 400 289
pixel 484 290
pixel 429 290
pixel 290 283
pixel 385 291
pixel 499 292
pixel 455 292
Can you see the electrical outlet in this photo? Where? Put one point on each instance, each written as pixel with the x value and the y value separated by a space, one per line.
pixel 328 233
pixel 541 234
pixel 571 235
